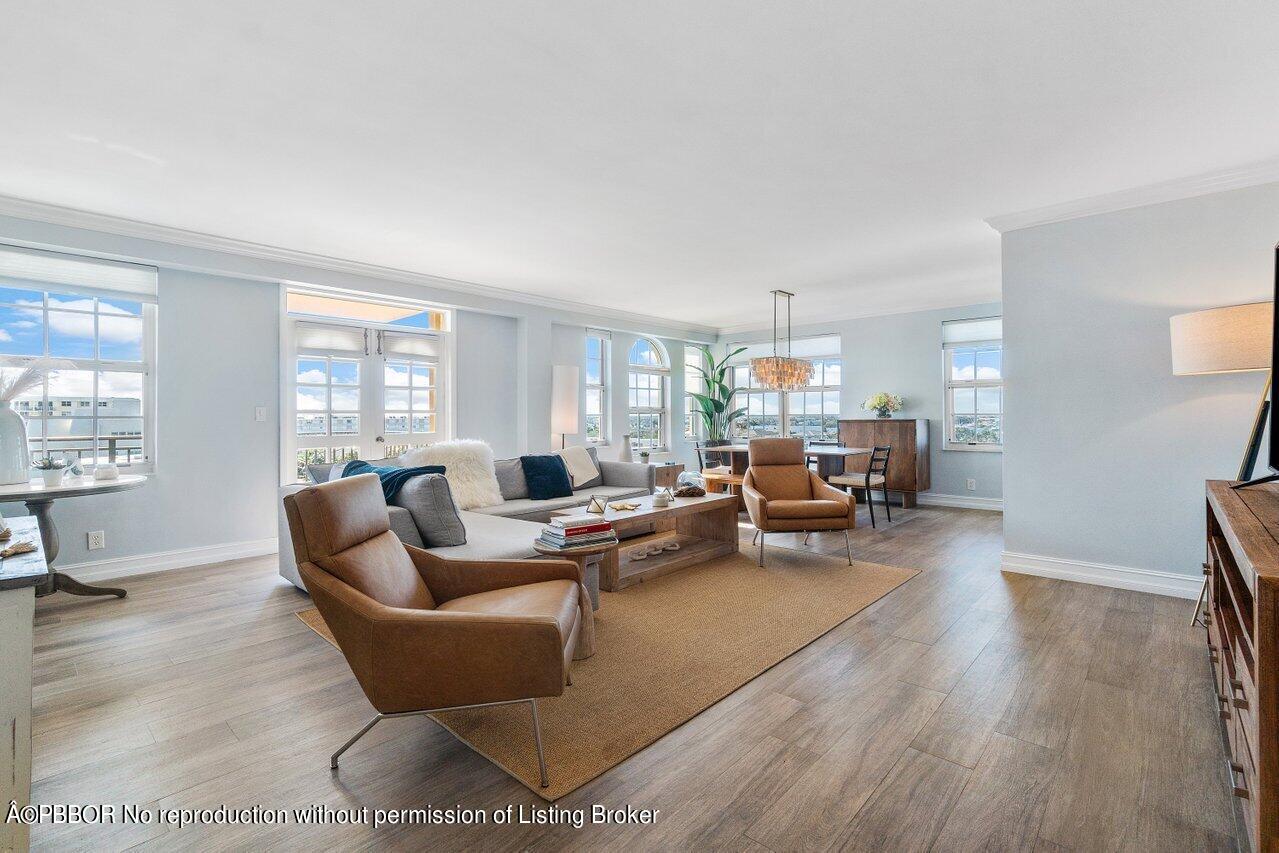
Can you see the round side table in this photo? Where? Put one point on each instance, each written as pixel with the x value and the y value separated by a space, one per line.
pixel 39 500
pixel 588 569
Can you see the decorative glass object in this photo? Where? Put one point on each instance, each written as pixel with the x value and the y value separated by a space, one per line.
pixel 690 478
pixel 778 372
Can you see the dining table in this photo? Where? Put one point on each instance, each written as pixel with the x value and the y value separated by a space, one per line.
pixel 830 458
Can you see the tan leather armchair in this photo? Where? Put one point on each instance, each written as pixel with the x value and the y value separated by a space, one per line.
pixel 424 634
pixel 783 494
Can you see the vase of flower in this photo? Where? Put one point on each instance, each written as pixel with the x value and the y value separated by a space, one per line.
pixel 15 458
pixel 883 404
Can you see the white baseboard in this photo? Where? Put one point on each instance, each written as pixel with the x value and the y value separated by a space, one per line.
pixel 1100 574
pixel 961 501
pixel 141 564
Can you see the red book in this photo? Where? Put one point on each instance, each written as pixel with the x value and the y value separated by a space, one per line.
pixel 587 528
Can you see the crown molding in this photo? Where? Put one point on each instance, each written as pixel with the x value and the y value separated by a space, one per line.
pixel 70 217
pixel 828 317
pixel 1253 174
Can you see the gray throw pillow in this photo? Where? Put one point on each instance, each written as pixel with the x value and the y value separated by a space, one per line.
pixel 429 501
pixel 598 479
pixel 325 471
pixel 510 479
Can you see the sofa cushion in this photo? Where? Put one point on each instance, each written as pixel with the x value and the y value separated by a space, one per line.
pixel 403 526
pixel 492 537
pixel 557 599
pixel 469 468
pixel 598 479
pixel 807 509
pixel 428 500
pixel 510 479
pixel 546 476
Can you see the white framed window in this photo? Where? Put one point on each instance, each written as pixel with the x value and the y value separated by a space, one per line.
pixel 973 365
pixel 693 381
pixel 647 397
pixel 597 355
pixel 811 412
pixel 97 319
pixel 367 379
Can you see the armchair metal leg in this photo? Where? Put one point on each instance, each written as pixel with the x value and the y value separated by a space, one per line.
pixel 333 762
pixel 537 736
pixel 537 729
pixel 848 546
pixel 761 549
pixel 806 535
pixel 755 538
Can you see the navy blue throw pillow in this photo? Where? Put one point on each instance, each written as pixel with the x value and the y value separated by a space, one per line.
pixel 546 477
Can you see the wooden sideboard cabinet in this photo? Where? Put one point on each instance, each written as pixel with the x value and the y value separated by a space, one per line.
pixel 1242 568
pixel 908 472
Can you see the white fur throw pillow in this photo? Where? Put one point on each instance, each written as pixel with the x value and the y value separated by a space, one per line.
pixel 468 466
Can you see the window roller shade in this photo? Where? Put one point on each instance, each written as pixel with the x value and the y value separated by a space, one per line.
pixel 341 338
pixel 40 270
pixel 967 332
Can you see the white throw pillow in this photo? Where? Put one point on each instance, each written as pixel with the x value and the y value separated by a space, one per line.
pixel 578 462
pixel 468 466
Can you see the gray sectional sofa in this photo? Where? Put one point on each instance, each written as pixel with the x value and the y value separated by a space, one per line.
pixel 502 532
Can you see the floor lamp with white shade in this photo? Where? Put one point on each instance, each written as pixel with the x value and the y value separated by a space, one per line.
pixel 1230 339
pixel 565 416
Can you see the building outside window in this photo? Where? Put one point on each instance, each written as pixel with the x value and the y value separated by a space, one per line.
pixel 647 397
pixel 97 319
pixel 973 367
pixel 597 355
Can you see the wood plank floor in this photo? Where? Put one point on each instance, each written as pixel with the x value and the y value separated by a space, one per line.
pixel 966 710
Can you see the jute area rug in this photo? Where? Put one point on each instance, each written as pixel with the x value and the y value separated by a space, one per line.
pixel 667 650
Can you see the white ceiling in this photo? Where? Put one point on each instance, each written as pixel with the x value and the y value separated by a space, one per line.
pixel 678 159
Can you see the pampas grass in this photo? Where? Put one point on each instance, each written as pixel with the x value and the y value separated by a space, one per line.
pixel 14 384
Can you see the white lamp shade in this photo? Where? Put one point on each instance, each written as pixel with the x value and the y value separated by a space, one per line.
pixel 565 418
pixel 1222 340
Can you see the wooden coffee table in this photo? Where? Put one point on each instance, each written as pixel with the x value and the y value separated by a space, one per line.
pixel 704 527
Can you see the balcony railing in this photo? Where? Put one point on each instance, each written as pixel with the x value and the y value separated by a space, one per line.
pixel 116 447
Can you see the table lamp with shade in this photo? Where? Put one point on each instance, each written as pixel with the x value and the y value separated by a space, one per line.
pixel 1230 339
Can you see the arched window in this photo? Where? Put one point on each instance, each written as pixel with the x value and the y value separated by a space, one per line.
pixel 647 406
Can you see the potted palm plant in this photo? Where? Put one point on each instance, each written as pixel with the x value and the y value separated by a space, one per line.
pixel 714 408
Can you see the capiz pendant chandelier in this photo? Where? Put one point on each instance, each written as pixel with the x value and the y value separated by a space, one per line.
pixel 777 372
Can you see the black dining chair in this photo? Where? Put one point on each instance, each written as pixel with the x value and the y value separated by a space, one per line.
pixel 876 477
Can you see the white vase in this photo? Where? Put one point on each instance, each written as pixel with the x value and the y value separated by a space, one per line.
pixel 52 476
pixel 15 458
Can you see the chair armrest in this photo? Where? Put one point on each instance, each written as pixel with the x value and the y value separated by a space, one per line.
pixel 633 475
pixel 824 491
pixel 412 660
pixel 450 579
pixel 756 503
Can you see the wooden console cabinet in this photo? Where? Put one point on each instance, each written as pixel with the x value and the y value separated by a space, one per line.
pixel 908 471
pixel 1242 568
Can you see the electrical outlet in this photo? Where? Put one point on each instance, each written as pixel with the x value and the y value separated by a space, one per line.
pixel 259 414
pixel 972 485
pixel 97 540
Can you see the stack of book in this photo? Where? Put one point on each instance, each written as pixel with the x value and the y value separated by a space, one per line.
pixel 577 531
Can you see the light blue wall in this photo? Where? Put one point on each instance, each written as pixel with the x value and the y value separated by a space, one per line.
pixel 217 468
pixel 485 385
pixel 1107 451
pixel 902 354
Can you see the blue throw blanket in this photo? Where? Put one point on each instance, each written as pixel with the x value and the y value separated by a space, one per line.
pixel 393 479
